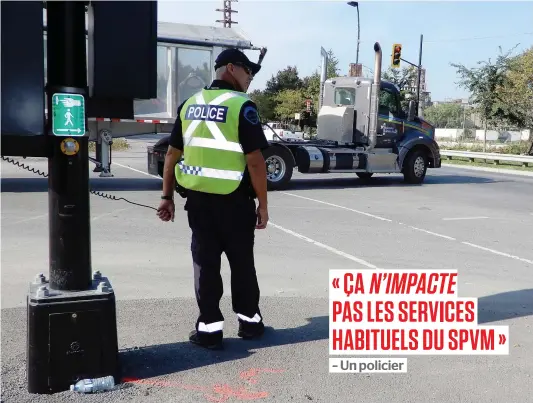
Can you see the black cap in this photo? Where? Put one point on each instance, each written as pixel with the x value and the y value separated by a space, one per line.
pixel 235 56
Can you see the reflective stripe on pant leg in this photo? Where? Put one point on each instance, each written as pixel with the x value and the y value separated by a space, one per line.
pixel 256 319
pixel 239 220
pixel 210 327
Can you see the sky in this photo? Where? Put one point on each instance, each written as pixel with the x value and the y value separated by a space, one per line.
pixel 294 31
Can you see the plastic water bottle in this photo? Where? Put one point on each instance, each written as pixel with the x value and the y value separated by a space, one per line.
pixel 94 385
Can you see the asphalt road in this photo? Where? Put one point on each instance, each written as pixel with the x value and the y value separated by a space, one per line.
pixel 479 223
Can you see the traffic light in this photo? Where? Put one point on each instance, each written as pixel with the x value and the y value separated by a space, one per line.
pixel 396 55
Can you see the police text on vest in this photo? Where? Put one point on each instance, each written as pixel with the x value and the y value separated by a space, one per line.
pixel 213 113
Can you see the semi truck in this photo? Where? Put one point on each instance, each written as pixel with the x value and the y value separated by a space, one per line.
pixel 361 129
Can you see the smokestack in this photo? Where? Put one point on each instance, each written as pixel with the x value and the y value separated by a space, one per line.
pixel 374 101
pixel 323 76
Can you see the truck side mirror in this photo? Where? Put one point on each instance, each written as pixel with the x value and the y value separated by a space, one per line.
pixel 412 108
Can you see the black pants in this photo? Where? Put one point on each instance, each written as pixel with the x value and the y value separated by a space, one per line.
pixel 223 224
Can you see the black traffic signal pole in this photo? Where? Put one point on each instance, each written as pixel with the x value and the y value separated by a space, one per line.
pixel 419 67
pixel 72 332
pixel 419 73
pixel 68 194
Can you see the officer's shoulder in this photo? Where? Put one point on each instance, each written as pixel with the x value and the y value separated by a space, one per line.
pixel 249 112
pixel 180 107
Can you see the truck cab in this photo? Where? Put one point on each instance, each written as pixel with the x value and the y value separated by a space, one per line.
pixel 361 129
pixel 346 108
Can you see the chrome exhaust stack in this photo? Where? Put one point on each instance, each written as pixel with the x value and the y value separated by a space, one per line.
pixel 323 76
pixel 374 99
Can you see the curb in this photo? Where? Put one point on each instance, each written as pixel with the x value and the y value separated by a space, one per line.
pixel 493 170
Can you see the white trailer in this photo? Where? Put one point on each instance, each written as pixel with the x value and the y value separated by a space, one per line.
pixel 185 63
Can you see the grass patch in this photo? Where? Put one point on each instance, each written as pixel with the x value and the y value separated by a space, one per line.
pixel 118 145
pixel 517 166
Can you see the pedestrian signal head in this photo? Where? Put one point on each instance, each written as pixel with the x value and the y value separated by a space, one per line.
pixel 396 55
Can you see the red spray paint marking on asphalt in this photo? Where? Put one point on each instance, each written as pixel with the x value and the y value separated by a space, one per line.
pixel 251 374
pixel 216 393
pixel 225 392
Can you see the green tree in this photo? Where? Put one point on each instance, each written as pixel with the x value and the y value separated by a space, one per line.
pixel 406 80
pixel 286 79
pixel 311 84
pixel 484 84
pixel 332 69
pixel 266 105
pixel 289 102
pixel 285 93
pixel 517 95
pixel 446 115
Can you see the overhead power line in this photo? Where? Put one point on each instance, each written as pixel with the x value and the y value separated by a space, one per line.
pixel 473 38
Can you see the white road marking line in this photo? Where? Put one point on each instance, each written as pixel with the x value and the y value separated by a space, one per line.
pixel 433 233
pixel 136 170
pixel 498 253
pixel 341 207
pixel 27 219
pixel 321 245
pixel 463 218
pixel 288 231
pixel 300 208
pixel 110 213
pixel 346 255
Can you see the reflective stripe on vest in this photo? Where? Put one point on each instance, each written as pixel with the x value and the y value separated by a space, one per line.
pixel 213 158
pixel 218 141
pixel 211 172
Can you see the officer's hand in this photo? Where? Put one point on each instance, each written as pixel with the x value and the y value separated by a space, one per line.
pixel 262 217
pixel 166 210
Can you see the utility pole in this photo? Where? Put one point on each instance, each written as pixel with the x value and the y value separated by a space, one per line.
pixel 358 37
pixel 227 10
pixel 356 5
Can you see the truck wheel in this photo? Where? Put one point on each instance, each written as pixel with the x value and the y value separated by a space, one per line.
pixel 279 167
pixel 415 166
pixel 364 175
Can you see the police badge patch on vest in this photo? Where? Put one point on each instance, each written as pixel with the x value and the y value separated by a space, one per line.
pixel 213 113
pixel 250 114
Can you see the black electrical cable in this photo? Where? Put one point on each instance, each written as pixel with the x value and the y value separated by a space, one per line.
pixel 101 194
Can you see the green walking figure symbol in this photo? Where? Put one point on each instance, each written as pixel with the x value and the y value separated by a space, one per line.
pixel 69 117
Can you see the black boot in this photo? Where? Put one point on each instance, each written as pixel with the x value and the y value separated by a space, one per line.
pixel 249 330
pixel 211 341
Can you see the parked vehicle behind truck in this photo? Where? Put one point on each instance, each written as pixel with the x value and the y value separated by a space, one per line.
pixel 275 131
pixel 361 129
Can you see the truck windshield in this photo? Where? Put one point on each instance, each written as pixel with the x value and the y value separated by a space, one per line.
pixel 344 96
pixel 388 102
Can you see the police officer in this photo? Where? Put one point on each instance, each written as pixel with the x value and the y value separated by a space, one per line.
pixel 220 137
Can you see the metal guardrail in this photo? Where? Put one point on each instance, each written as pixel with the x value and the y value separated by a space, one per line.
pixel 496 157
